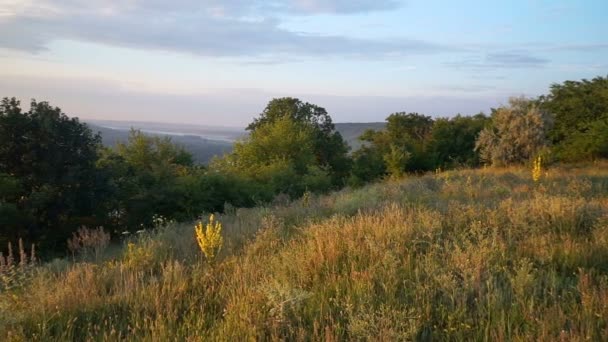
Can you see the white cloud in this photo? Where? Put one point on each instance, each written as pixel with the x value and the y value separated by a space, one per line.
pixel 208 28
pixel 501 60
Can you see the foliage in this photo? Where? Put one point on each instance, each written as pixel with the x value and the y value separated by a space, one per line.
pixel 409 133
pixel 517 134
pixel 368 165
pixel 395 159
pixel 48 183
pixel 414 143
pixel 280 156
pixel 580 111
pixel 453 141
pixel 401 145
pixel 143 176
pixel 327 145
pixel 10 215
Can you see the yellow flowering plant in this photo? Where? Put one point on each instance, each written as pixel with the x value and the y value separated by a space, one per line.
pixel 537 169
pixel 209 237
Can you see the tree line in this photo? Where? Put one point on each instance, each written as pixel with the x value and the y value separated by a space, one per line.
pixel 55 176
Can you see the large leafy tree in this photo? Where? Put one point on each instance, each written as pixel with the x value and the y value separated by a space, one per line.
pixel 50 182
pixel 410 133
pixel 580 111
pixel 144 176
pixel 402 145
pixel 10 216
pixel 328 147
pixel 517 134
pixel 453 140
pixel 279 156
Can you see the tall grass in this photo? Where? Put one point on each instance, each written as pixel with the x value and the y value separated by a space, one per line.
pixel 459 255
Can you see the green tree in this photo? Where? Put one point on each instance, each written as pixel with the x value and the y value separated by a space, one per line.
pixel 292 147
pixel 402 145
pixel 368 165
pixel 143 179
pixel 580 111
pixel 205 190
pixel 453 141
pixel 52 158
pixel 411 133
pixel 517 134
pixel 279 156
pixel 11 219
pixel 329 149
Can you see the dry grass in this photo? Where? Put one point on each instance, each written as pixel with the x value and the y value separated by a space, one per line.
pixel 460 255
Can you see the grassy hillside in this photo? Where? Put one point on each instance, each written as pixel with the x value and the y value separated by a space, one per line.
pixel 462 255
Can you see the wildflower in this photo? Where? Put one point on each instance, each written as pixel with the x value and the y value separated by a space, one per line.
pixel 306 199
pixel 209 237
pixel 537 169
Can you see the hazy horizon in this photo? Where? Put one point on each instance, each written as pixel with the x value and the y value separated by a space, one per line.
pixel 218 63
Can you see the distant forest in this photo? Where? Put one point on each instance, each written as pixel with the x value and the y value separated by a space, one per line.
pixel 204 149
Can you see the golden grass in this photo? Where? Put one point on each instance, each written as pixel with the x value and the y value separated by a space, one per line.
pixel 458 255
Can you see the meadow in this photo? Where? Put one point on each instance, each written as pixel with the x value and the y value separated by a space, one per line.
pixel 487 254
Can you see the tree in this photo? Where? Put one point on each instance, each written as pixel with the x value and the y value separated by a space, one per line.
pixel 396 159
pixel 402 145
pixel 52 159
pixel 368 165
pixel 279 156
pixel 452 141
pixel 411 133
pixel 329 149
pixel 517 134
pixel 10 216
pixel 580 110
pixel 143 178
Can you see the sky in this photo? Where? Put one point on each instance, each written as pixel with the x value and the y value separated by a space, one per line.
pixel 218 62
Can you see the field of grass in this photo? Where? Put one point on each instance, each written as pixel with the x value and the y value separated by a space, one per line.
pixel 460 255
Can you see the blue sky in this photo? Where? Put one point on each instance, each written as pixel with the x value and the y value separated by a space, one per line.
pixel 217 62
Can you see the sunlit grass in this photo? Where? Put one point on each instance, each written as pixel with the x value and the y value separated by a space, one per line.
pixel 457 255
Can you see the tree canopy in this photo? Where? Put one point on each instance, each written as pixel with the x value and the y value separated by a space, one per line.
pixel 292 147
pixel 328 147
pixel 48 162
pixel 517 134
pixel 580 112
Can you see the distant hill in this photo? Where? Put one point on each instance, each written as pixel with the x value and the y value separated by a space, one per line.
pixel 351 131
pixel 205 142
pixel 201 148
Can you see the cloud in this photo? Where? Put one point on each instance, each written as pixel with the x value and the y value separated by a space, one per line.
pixel 233 28
pixel 342 6
pixel 472 88
pixel 579 47
pixel 501 60
pixel 514 60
